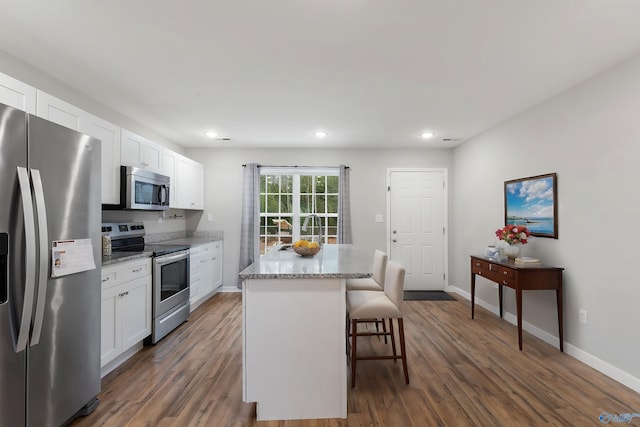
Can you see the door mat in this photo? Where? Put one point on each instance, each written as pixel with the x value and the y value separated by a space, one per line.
pixel 427 296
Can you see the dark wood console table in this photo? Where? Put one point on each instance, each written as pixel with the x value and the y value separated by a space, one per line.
pixel 520 277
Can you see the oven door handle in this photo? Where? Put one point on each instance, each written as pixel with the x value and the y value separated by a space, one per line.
pixel 166 259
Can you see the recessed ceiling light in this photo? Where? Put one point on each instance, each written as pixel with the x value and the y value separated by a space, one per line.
pixel 426 135
pixel 211 134
pixel 321 134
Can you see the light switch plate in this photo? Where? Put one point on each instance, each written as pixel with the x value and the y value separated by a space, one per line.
pixel 379 218
pixel 210 217
pixel 582 316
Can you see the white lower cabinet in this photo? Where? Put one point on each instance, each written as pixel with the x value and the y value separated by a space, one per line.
pixel 126 310
pixel 205 272
pixel 195 278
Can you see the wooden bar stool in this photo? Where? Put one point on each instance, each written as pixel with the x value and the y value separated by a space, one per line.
pixel 366 306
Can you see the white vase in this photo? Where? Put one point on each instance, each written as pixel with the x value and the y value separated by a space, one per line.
pixel 512 251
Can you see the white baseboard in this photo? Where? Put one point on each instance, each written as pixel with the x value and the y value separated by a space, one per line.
pixel 106 369
pixel 230 288
pixel 587 358
pixel 605 367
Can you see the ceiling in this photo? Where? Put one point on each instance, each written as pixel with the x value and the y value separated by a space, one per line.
pixel 372 73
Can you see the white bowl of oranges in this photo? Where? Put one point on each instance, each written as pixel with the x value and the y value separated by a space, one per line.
pixel 306 248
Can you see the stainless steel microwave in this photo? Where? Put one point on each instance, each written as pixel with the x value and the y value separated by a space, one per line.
pixel 143 190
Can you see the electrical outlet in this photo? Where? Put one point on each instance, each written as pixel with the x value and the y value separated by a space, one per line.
pixel 210 217
pixel 379 218
pixel 582 316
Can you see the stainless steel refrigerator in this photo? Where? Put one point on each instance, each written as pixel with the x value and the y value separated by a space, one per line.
pixel 49 326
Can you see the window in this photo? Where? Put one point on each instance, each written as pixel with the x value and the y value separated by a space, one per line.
pixel 289 195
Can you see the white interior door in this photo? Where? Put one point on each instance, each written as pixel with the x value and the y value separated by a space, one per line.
pixel 417 226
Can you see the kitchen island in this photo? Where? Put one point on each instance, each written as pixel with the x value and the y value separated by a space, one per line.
pixel 293 330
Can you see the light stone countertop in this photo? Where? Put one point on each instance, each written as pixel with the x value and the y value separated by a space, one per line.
pixel 191 241
pixel 117 257
pixel 196 240
pixel 333 261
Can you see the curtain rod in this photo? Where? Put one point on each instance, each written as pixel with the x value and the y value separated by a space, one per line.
pixel 295 166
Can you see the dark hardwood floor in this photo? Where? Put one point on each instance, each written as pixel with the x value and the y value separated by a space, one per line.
pixel 463 372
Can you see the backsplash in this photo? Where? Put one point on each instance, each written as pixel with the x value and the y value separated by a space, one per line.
pixel 171 226
pixel 159 237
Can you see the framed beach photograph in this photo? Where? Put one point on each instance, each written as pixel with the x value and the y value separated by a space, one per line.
pixel 533 202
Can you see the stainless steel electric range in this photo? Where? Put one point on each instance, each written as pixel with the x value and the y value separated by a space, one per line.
pixel 170 290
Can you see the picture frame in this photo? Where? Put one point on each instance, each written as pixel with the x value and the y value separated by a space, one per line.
pixel 533 202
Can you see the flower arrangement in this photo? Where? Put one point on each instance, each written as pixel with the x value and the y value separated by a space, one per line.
pixel 513 234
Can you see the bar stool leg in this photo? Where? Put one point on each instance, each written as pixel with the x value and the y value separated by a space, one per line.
pixel 393 339
pixel 354 339
pixel 384 329
pixel 403 350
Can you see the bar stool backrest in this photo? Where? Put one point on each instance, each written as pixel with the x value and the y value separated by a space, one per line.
pixel 394 283
pixel 379 267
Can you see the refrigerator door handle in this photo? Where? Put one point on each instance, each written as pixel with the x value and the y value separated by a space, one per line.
pixel 30 258
pixel 44 256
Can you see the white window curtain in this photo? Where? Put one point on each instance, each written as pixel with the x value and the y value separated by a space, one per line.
pixel 250 227
pixel 344 208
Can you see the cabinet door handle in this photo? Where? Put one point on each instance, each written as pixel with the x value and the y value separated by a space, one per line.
pixel 505 273
pixel 480 273
pixel 135 270
pixel 106 279
pixel 477 264
pixel 504 282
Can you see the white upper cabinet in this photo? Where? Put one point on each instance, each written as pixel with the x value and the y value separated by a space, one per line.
pixel 190 184
pixel 170 169
pixel 58 111
pixel 138 151
pixel 16 94
pixel 109 135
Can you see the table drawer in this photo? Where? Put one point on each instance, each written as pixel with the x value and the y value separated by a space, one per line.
pixel 489 275
pixel 511 283
pixel 478 266
pixel 502 272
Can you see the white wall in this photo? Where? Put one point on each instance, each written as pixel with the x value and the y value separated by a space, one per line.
pixel 223 186
pixel 24 72
pixel 589 136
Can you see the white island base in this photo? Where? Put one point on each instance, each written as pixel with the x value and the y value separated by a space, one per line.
pixel 294 348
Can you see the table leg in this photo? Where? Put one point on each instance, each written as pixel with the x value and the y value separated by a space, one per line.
pixel 500 298
pixel 519 313
pixel 560 317
pixel 473 293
